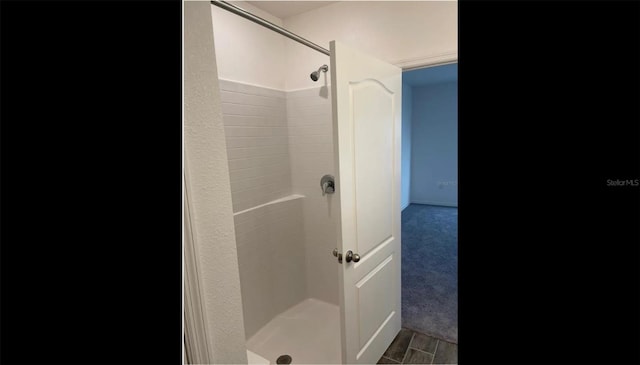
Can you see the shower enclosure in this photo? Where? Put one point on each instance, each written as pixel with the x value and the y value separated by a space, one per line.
pixel 279 145
pixel 315 185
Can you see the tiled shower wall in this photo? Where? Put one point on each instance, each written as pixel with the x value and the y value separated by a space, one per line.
pixel 271 261
pixel 255 124
pixel 311 147
pixel 280 144
pixel 269 235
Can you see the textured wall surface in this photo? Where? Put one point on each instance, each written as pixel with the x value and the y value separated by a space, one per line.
pixel 206 159
pixel 255 121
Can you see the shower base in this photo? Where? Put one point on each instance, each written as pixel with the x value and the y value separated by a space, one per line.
pixel 309 332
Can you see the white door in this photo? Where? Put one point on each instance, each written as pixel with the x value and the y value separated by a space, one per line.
pixel 367 125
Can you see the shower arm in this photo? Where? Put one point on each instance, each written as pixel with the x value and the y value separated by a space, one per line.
pixel 267 24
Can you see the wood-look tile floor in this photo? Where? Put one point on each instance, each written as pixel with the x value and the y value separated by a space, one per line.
pixel 410 347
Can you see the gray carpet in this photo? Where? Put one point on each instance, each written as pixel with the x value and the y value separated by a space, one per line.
pixel 430 270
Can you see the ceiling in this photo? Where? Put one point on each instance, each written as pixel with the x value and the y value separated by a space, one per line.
pixel 285 9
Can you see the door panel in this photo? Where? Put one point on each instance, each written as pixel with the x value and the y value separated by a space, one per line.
pixel 366 96
pixel 372 105
pixel 373 299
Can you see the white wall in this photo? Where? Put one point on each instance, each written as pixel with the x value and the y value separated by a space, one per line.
pixel 206 157
pixel 301 61
pixel 247 52
pixel 434 168
pixel 404 33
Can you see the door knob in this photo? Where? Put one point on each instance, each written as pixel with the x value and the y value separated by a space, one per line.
pixel 350 256
pixel 338 255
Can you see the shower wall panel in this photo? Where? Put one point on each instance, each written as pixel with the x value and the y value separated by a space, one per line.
pixel 271 260
pixel 311 151
pixel 280 144
pixel 268 218
pixel 255 122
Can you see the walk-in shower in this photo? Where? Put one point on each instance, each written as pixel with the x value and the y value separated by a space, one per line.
pixel 315 75
pixel 279 135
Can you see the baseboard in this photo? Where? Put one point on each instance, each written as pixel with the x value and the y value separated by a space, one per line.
pixel 442 204
pixel 404 207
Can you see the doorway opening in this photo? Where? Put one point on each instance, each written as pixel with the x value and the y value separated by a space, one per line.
pixel 430 202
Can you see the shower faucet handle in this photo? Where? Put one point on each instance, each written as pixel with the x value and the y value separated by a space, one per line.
pixel 327 183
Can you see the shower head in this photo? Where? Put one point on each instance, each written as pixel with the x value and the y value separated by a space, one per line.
pixel 315 75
